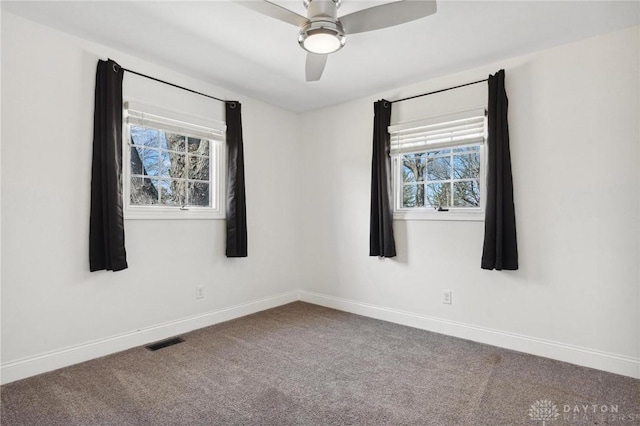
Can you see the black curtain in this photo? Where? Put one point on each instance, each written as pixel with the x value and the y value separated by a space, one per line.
pixel 106 229
pixel 500 249
pixel 381 242
pixel 236 197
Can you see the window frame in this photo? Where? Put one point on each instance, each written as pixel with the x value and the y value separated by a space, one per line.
pixel 428 212
pixel 217 165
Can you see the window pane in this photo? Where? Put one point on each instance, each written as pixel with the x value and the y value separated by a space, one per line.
pixel 466 166
pixel 199 194
pixel 174 142
pixel 438 194
pixel 198 146
pixel 413 167
pixel 413 195
pixel 136 157
pixel 172 165
pixel 143 191
pixel 142 136
pixel 144 161
pixel 466 194
pixel 439 168
pixel 199 168
pixel 172 192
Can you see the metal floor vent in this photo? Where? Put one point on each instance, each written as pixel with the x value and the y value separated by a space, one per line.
pixel 164 343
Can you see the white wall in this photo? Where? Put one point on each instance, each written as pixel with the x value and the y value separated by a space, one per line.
pixel 50 300
pixel 575 138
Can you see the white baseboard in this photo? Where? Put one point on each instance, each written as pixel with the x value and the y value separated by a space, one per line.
pixel 613 363
pixel 30 366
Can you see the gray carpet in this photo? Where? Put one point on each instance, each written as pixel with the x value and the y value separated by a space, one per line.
pixel 301 364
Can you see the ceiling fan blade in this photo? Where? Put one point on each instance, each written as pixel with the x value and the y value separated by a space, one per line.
pixel 387 15
pixel 275 11
pixel 315 66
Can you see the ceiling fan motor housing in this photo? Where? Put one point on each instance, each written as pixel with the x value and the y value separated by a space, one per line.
pixel 323 33
pixel 334 4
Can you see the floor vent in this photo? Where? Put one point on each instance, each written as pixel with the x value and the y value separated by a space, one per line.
pixel 164 343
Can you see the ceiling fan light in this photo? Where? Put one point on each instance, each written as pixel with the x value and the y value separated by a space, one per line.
pixel 322 43
pixel 320 39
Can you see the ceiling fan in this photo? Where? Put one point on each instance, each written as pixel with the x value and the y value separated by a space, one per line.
pixel 322 32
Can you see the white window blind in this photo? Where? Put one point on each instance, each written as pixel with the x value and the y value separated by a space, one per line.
pixel 147 116
pixel 459 129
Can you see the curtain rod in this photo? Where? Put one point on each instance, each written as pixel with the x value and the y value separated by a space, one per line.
pixel 438 91
pixel 171 84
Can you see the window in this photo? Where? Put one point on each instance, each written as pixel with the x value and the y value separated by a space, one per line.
pixel 174 165
pixel 438 168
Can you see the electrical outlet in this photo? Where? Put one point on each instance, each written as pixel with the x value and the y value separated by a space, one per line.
pixel 199 292
pixel 446 296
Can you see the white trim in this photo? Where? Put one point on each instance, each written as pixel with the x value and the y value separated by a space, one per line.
pixel 37 364
pixel 467 215
pixel 614 363
pixel 171 213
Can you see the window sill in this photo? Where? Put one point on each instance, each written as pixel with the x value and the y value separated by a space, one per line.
pixel 171 213
pixel 430 214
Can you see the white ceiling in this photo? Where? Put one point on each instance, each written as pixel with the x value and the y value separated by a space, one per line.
pixel 233 47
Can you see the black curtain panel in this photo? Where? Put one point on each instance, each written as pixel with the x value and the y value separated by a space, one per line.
pixel 500 249
pixel 236 197
pixel 381 241
pixel 106 229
